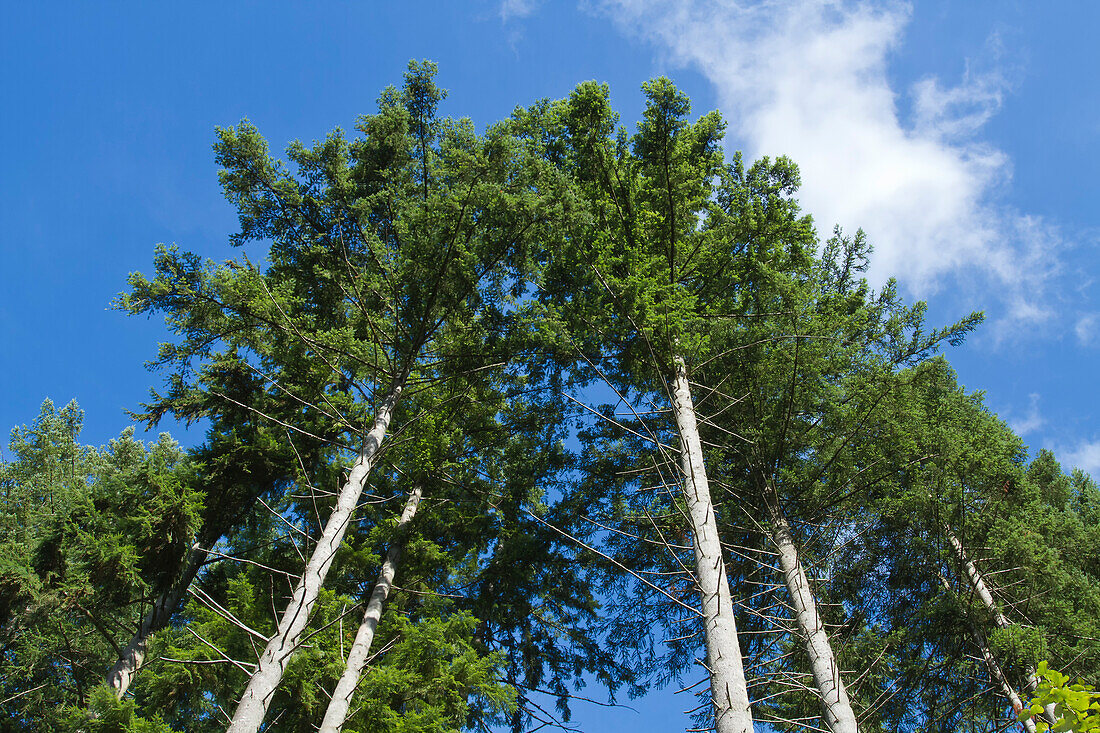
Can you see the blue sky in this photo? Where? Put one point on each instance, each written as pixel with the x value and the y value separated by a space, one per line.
pixel 964 137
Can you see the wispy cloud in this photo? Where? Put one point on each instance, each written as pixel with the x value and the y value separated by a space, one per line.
pixel 809 79
pixel 1031 421
pixel 1085 455
pixel 1087 328
pixel 515 9
pixel 512 14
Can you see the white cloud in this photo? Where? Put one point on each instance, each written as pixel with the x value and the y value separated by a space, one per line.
pixel 1030 422
pixel 809 79
pixel 1086 456
pixel 512 9
pixel 1086 328
pixel 956 112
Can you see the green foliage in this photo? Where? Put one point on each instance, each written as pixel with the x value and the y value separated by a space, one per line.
pixel 791 352
pixel 89 535
pixel 106 714
pixel 1019 646
pixel 955 464
pixel 399 258
pixel 430 675
pixel 1076 706
pixel 506 280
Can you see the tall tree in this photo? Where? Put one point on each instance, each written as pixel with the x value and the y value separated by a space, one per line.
pixel 388 255
pixel 640 280
pixel 242 461
pixel 694 264
pixel 960 472
pixel 102 533
pixel 803 374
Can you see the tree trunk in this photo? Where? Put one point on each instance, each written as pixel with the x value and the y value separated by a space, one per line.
pixel 337 713
pixel 132 656
pixel 272 663
pixel 996 674
pixel 727 675
pixel 838 714
pixel 977 582
pixel 981 590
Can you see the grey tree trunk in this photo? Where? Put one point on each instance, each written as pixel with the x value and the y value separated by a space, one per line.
pixel 996 674
pixel 837 709
pixel 250 712
pixel 981 590
pixel 729 691
pixel 337 713
pixel 976 581
pixel 132 656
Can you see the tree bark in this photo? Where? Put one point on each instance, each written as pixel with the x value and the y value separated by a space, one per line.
pixel 132 656
pixel 729 691
pixel 996 674
pixel 337 713
pixel 977 582
pixel 837 709
pixel 981 590
pixel 276 656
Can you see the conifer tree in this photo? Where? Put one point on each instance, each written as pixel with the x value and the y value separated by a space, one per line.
pixel 491 414
pixel 631 290
pixel 804 374
pixel 962 474
pixel 389 255
pixel 90 536
pixel 240 464
pixel 690 261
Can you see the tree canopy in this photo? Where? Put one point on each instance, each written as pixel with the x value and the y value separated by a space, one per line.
pixel 493 417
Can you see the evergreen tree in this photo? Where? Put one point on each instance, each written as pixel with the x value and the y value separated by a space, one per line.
pixel 91 537
pixel 497 413
pixel 959 559
pixel 690 262
pixel 639 281
pixel 393 262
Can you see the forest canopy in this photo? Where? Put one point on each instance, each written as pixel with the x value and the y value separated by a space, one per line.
pixel 497 423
